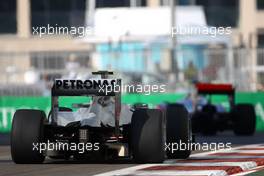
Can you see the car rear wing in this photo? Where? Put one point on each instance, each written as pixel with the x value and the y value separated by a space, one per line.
pixel 207 88
pixel 92 87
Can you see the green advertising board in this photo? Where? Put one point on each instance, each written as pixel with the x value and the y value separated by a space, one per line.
pixel 8 105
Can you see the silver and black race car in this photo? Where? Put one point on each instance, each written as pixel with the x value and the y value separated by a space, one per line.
pixel 105 127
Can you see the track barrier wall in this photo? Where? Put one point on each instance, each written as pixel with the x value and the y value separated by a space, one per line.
pixel 8 105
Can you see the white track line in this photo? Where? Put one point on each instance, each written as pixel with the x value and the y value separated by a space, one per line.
pixel 183 173
pixel 5 157
pixel 243 165
pixel 248 172
pixel 205 155
pixel 245 151
pixel 126 171
pixel 227 157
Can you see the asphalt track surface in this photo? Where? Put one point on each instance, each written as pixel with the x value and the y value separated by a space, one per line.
pixel 239 161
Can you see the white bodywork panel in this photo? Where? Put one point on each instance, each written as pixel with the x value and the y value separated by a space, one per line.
pixel 96 114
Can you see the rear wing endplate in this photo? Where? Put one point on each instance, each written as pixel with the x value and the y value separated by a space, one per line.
pixel 206 88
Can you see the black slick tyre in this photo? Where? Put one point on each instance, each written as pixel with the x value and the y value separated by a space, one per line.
pixel 27 129
pixel 178 131
pixel 244 119
pixel 147 136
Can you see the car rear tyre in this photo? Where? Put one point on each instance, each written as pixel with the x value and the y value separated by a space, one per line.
pixel 147 136
pixel 178 131
pixel 208 123
pixel 27 128
pixel 244 119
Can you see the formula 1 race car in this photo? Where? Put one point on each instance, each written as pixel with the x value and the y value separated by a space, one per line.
pixel 208 118
pixel 101 129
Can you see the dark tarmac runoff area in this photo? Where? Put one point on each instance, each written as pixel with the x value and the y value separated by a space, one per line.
pixel 67 168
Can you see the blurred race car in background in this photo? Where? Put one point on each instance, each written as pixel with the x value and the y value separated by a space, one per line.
pixel 208 118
